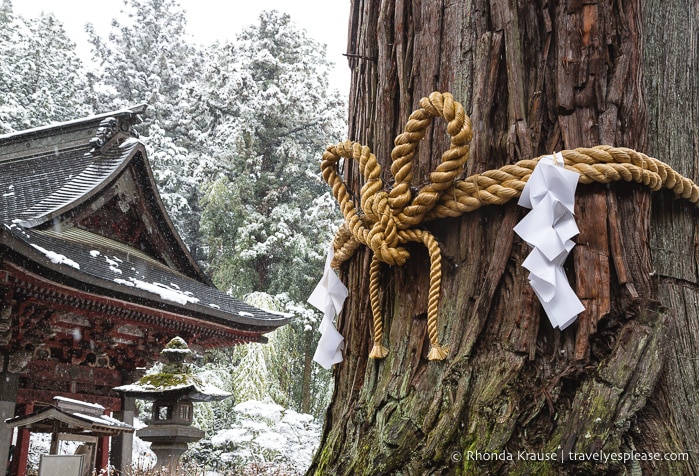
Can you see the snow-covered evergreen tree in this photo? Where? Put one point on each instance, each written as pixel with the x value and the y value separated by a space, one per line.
pixel 262 438
pixel 148 57
pixel 41 78
pixel 267 112
pixel 176 175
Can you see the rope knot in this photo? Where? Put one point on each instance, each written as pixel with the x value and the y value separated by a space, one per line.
pixel 383 233
pixel 389 217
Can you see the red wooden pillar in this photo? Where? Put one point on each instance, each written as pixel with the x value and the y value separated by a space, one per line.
pixel 102 457
pixel 102 460
pixel 21 453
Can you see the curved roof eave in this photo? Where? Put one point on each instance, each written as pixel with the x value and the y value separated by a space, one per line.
pixel 164 219
pixel 245 318
pixel 99 176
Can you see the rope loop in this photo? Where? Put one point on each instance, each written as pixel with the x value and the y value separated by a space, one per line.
pixel 386 213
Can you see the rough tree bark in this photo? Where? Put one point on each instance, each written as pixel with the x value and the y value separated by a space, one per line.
pixel 535 77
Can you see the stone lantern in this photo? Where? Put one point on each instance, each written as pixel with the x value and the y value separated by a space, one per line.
pixel 173 390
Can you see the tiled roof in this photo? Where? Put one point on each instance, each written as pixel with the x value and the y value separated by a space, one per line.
pixel 47 168
pixel 36 189
pixel 119 270
pixel 40 182
pixel 50 419
pixel 26 181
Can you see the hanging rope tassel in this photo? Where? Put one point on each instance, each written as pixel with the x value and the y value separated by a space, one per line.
pixel 378 351
pixel 437 351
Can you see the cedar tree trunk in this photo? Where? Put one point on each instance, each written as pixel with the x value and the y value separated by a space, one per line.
pixel 535 77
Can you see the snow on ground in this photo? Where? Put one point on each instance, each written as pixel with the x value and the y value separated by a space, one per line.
pixel 265 432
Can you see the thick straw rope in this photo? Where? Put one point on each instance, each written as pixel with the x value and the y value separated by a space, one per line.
pixel 386 220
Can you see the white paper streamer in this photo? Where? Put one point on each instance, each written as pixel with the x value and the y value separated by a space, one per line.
pixel 548 228
pixel 328 296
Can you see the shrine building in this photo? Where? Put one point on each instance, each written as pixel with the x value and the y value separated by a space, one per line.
pixel 94 278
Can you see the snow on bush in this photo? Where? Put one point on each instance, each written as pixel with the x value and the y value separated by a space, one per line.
pixel 266 433
pixel 141 455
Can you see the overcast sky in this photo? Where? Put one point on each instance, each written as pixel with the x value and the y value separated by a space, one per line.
pixel 208 20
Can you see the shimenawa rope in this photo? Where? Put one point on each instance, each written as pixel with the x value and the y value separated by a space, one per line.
pixel 387 220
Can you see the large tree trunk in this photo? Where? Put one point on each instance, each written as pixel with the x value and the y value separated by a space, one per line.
pixel 535 77
pixel 671 44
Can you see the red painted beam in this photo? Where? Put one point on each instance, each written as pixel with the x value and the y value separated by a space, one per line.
pixel 46 370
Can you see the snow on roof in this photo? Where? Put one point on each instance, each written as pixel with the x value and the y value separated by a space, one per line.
pixel 165 292
pixel 124 282
pixel 279 313
pixel 79 402
pixel 128 142
pixel 140 273
pixel 211 389
pixel 102 420
pixel 146 388
pixel 67 420
pixel 200 389
pixel 57 258
pixel 138 109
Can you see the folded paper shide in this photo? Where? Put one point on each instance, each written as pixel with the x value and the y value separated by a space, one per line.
pixel 328 297
pixel 549 229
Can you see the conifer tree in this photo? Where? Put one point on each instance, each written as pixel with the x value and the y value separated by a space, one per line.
pixel 41 77
pixel 148 57
pixel 266 112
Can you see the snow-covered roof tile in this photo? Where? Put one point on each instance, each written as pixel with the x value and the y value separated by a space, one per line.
pixel 194 297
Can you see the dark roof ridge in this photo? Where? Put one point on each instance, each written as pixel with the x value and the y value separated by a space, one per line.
pixel 81 123
pixel 67 135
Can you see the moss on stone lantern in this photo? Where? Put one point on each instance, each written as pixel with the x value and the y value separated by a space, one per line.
pixel 173 389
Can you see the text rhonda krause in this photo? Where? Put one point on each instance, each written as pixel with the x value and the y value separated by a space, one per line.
pixel 597 456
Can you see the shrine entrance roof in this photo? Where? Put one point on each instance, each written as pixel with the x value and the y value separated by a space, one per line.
pixel 53 419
